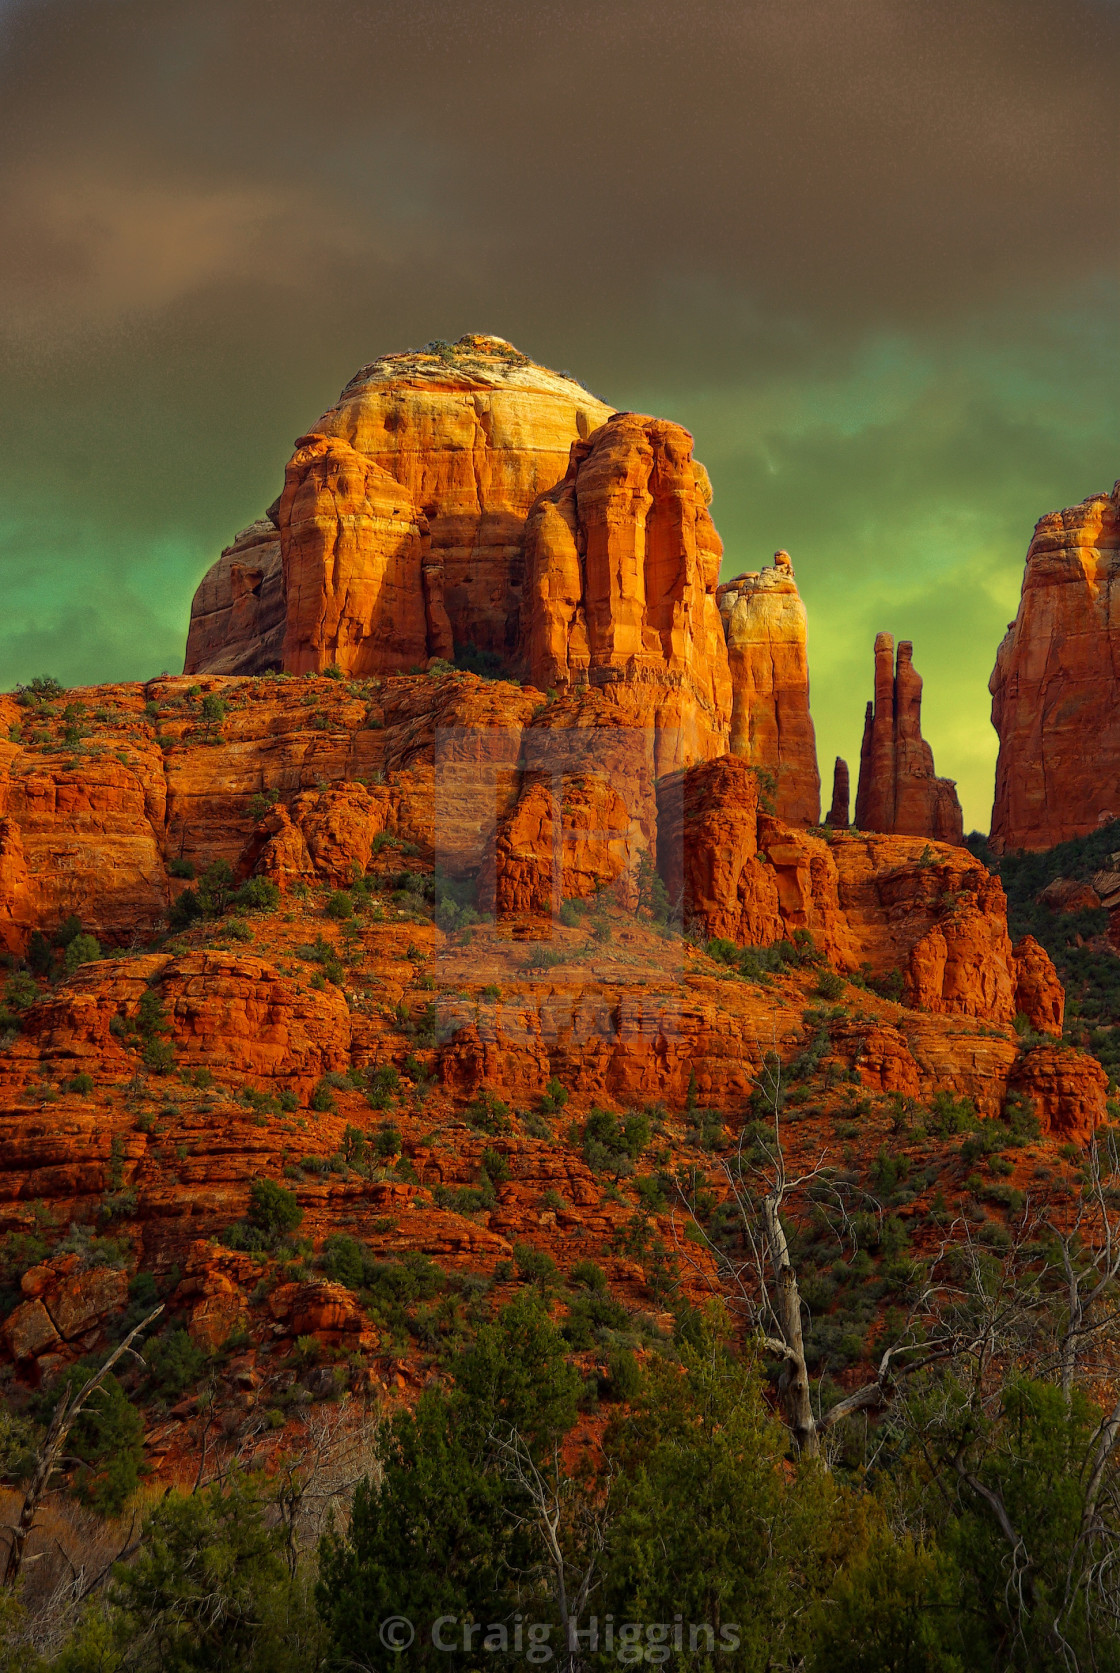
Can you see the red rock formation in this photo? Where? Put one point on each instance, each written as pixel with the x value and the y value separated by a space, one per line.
pixel 470 434
pixel 1068 1090
pixel 237 614
pixel 899 792
pixel 764 620
pixel 837 815
pixel 742 874
pixel 1039 995
pixel 621 564
pixel 360 589
pixel 1056 684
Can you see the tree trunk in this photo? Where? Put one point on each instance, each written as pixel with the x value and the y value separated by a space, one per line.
pixel 794 1384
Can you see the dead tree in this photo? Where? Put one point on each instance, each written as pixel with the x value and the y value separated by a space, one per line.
pixel 50 1454
pixel 546 1494
pixel 1089 1255
pixel 765 1291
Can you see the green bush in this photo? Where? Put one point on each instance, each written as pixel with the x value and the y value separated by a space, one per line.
pixel 273 1210
pixel 258 894
pixel 158 1056
pixel 339 905
pixel 175 1362
pixel 82 949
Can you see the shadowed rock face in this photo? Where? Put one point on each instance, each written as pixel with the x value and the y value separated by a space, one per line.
pixel 837 814
pixel 765 623
pixel 1056 683
pixel 238 613
pixel 899 792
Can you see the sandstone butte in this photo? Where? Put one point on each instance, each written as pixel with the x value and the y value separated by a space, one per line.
pixel 1056 684
pixel 571 822
pixel 464 502
pixel 899 792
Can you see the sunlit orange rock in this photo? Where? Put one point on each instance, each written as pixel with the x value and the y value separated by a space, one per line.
pixel 899 792
pixel 1056 684
pixel 1039 995
pixel 764 620
pixel 422 473
pixel 745 875
pixel 837 815
pixel 356 558
pixel 621 565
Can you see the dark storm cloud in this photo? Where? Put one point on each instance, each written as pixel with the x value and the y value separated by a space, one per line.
pixel 837 237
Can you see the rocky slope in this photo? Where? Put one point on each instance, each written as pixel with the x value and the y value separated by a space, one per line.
pixel 1055 685
pixel 898 790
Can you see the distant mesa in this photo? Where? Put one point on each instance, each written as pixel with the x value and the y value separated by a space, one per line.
pixel 899 792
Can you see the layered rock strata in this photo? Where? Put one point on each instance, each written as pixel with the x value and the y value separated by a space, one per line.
pixel 1056 684
pixel 764 620
pixel 899 793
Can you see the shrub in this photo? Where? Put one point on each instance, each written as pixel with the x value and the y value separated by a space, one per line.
pixel 495 1166
pixel 322 1099
pixel 624 1375
pixel 488 1113
pixel 181 868
pixel 81 1084
pixel 175 1362
pixel 340 905
pixel 159 1057
pixel 535 1266
pixel 554 1099
pixel 213 710
pixel 108 1438
pixel 259 894
pixel 83 949
pixel 588 1275
pixel 273 1210
pixel 609 1141
pixel 830 986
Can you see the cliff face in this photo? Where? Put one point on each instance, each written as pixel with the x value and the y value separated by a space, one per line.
pixel 764 620
pixel 1056 684
pixel 425 467
pixel 621 565
pixel 899 792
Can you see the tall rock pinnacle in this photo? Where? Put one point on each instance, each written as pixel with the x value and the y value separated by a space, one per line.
pixel 899 792
pixel 765 623
pixel 1056 683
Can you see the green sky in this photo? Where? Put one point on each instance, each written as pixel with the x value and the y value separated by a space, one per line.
pixel 864 249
